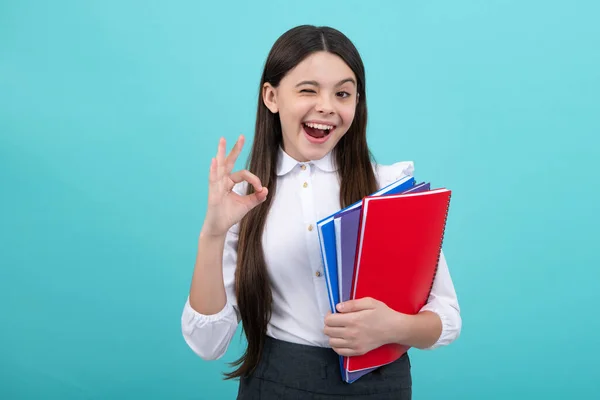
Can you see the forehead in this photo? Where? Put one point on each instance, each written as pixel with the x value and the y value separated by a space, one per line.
pixel 323 67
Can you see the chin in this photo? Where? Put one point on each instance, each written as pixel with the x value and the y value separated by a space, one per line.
pixel 315 153
pixel 311 151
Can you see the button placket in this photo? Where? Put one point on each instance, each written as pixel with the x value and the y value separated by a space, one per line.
pixel 312 237
pixel 308 212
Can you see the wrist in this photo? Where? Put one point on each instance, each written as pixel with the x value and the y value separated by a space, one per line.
pixel 400 327
pixel 421 330
pixel 211 237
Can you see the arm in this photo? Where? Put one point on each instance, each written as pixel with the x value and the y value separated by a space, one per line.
pixel 364 324
pixel 207 292
pixel 210 317
pixel 420 331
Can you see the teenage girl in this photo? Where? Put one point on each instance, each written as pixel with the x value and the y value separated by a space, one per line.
pixel 258 257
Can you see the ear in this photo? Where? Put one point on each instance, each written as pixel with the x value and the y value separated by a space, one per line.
pixel 269 95
pixel 357 97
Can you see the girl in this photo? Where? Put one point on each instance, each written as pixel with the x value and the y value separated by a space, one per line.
pixel 258 256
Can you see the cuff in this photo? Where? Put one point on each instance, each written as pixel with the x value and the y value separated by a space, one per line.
pixel 192 318
pixel 450 327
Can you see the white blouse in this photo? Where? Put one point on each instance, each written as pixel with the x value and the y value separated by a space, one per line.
pixel 306 193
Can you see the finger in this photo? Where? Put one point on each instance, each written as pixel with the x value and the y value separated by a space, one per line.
pixel 254 199
pixel 245 175
pixel 212 176
pixel 260 196
pixel 340 343
pixel 345 351
pixel 334 331
pixel 233 155
pixel 337 320
pixel 366 303
pixel 221 157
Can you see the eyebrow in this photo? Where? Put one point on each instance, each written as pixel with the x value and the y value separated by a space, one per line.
pixel 315 83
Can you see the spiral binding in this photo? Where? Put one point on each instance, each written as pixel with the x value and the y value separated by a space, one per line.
pixel 441 243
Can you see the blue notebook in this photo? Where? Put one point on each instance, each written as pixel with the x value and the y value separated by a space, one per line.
pixel 329 254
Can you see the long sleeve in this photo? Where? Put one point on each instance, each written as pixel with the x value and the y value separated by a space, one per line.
pixel 443 302
pixel 209 335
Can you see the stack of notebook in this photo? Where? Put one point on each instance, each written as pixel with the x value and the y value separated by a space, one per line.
pixel 387 247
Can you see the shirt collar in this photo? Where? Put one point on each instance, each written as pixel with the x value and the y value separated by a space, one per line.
pixel 285 163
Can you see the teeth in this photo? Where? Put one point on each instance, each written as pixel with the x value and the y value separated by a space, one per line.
pixel 319 126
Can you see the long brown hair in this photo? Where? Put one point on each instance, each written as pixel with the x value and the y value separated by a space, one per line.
pixel 352 156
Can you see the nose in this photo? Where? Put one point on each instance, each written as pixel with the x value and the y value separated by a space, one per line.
pixel 324 105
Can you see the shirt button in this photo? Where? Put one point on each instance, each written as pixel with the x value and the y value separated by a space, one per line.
pixel 305 184
pixel 310 227
pixel 303 167
pixel 318 273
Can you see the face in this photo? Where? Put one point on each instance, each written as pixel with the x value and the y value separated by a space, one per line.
pixel 316 102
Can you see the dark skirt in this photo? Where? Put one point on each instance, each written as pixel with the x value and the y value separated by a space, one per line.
pixel 293 371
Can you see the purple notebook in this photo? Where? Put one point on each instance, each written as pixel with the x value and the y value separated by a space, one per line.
pixel 421 187
pixel 348 236
pixel 346 233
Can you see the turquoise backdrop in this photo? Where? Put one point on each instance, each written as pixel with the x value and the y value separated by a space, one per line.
pixel 111 110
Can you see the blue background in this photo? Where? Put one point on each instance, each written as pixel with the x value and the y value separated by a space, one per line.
pixel 111 110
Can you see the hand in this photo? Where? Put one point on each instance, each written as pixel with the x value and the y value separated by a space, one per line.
pixel 225 207
pixel 361 326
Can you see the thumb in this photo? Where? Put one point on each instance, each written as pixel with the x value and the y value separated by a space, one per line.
pixel 254 199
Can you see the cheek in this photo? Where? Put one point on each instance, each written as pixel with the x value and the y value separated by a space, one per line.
pixel 347 113
pixel 294 111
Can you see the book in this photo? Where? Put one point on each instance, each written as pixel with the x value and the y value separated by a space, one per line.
pixel 329 243
pixel 421 187
pixel 327 239
pixel 346 232
pixel 398 249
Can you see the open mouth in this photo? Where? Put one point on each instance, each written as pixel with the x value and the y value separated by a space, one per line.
pixel 317 131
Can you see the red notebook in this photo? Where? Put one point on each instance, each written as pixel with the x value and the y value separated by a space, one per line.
pixel 398 250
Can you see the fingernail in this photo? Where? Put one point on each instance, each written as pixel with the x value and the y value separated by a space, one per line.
pixel 340 307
